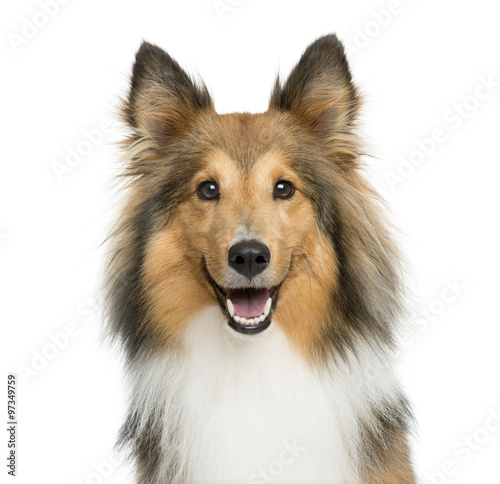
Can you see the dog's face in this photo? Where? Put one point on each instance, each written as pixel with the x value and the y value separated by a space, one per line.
pixel 248 220
pixel 262 214
pixel 245 226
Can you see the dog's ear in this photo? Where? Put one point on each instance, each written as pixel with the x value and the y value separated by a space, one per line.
pixel 319 91
pixel 163 101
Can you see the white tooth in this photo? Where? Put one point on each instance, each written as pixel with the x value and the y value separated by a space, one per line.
pixel 262 317
pixel 237 319
pixel 230 307
pixel 267 307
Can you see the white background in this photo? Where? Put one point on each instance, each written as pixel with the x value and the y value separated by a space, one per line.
pixel 419 64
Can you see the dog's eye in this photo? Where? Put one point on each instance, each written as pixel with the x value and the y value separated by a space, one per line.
pixel 208 190
pixel 283 189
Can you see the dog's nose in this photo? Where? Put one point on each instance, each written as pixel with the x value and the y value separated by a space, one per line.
pixel 249 257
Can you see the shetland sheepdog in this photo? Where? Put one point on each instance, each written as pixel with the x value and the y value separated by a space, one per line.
pixel 254 286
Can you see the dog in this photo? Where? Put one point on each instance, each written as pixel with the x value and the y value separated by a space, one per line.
pixel 254 286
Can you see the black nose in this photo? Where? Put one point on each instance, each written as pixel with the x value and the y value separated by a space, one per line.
pixel 249 257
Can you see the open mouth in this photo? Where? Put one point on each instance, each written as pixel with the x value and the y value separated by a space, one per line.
pixel 248 310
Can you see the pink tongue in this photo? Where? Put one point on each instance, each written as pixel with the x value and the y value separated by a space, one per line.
pixel 248 303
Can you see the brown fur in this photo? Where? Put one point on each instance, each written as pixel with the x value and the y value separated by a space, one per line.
pixel 396 467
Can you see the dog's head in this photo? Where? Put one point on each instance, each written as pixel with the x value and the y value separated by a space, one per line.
pixel 264 214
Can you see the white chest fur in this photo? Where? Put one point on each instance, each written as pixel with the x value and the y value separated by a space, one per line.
pixel 249 409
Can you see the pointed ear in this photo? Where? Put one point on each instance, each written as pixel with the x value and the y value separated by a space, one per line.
pixel 163 101
pixel 319 91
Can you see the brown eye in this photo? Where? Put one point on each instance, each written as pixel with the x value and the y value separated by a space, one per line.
pixel 283 189
pixel 208 190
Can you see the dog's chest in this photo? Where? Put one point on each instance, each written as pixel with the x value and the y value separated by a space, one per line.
pixel 252 411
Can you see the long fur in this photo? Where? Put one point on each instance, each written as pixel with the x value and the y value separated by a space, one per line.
pixel 210 405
